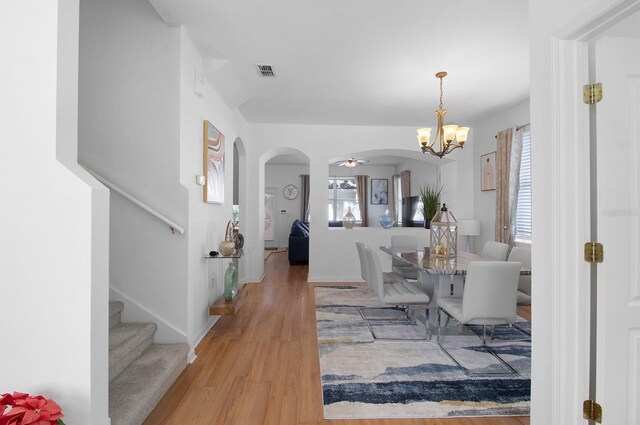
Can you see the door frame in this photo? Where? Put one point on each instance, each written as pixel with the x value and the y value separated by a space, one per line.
pixel 565 329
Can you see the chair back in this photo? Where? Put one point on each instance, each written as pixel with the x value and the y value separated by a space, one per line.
pixel 522 255
pixel 374 272
pixel 363 260
pixel 403 243
pixel 490 292
pixel 495 250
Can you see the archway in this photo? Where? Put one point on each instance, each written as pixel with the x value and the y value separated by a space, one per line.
pixel 281 184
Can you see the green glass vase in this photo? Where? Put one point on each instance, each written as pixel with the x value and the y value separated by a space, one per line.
pixel 230 282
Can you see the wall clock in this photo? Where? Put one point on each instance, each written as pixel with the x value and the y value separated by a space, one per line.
pixel 290 191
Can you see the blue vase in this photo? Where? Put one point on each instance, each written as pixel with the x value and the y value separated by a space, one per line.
pixel 386 220
pixel 230 282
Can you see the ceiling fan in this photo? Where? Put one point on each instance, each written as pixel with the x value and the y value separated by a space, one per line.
pixel 352 162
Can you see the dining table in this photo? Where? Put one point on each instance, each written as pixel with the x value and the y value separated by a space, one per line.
pixel 439 276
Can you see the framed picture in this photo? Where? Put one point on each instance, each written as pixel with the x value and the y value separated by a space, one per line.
pixel 379 191
pixel 488 170
pixel 213 165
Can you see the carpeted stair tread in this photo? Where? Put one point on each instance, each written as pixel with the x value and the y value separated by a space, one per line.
pixel 115 312
pixel 126 342
pixel 135 392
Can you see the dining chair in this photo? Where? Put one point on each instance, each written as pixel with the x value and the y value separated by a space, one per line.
pixel 399 292
pixel 495 250
pixel 488 299
pixel 388 277
pixel 523 255
pixel 404 243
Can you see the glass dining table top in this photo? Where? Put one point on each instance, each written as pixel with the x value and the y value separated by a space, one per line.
pixel 423 261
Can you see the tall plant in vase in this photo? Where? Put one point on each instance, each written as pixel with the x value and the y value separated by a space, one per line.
pixel 430 196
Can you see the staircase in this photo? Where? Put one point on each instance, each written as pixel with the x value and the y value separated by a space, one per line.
pixel 140 372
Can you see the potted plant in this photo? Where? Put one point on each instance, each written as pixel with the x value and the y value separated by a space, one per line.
pixel 23 409
pixel 430 196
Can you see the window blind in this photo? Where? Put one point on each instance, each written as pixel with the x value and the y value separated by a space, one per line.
pixel 523 212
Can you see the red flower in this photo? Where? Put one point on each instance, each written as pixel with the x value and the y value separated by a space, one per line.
pixel 27 410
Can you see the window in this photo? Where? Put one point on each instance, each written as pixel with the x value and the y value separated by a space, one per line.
pixel 523 212
pixel 342 195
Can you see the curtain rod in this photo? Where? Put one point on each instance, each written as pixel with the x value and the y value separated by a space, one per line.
pixel 517 128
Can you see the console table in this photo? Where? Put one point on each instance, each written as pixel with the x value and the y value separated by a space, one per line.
pixel 221 306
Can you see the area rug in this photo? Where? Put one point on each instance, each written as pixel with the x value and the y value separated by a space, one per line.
pixel 375 363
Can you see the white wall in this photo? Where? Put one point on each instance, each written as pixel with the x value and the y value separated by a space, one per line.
pixel 278 176
pixel 53 252
pixel 207 222
pixel 483 141
pixel 129 133
pixel 421 174
pixel 322 144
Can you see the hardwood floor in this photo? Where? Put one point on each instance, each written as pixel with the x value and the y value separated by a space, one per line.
pixel 261 366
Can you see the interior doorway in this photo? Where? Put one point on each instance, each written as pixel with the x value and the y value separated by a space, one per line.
pixel 595 309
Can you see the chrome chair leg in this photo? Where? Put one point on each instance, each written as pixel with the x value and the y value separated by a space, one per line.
pixel 439 320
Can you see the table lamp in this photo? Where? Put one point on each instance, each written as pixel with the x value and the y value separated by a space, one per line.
pixel 468 228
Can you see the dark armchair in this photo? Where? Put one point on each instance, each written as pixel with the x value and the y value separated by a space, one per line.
pixel 299 243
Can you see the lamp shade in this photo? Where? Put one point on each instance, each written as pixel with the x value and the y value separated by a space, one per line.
pixel 461 134
pixel 469 227
pixel 424 134
pixel 449 132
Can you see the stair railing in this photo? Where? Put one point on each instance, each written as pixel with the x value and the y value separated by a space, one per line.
pixel 172 225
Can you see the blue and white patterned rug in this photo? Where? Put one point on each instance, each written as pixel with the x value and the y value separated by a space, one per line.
pixel 375 364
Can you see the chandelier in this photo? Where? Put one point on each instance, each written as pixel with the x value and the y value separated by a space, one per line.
pixel 448 137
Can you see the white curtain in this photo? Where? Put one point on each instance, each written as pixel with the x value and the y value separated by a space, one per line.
pixel 514 181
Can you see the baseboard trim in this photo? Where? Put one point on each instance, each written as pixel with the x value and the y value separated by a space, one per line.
pixel 198 339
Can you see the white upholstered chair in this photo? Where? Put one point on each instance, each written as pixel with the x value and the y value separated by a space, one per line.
pixel 388 277
pixel 404 243
pixel 488 299
pixel 489 295
pixel 523 255
pixel 495 250
pixel 400 292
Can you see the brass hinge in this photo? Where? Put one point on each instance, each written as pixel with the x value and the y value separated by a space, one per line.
pixel 593 252
pixel 592 93
pixel 592 410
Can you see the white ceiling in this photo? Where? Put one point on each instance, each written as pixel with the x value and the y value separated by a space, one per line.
pixel 360 62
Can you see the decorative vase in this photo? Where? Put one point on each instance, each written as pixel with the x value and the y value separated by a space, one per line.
pixel 238 239
pixel 386 220
pixel 230 282
pixel 226 248
pixel 349 219
pixel 427 223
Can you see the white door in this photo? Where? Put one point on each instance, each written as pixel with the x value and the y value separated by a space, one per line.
pixel 269 219
pixel 618 175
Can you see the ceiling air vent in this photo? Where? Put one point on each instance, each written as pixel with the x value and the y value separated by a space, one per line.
pixel 265 71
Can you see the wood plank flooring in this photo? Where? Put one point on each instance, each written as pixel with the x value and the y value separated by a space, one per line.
pixel 261 366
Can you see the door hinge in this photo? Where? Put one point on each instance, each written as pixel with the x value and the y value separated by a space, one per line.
pixel 592 410
pixel 592 93
pixel 593 252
